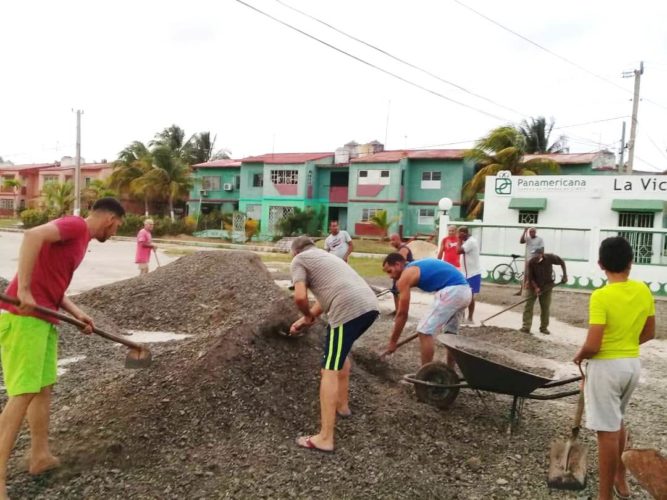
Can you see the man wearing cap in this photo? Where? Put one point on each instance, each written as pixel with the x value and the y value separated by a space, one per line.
pixel 532 242
pixel 144 246
pixel 351 308
pixel 540 283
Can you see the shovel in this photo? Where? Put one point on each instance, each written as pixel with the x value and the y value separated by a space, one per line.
pixel 567 459
pixel 402 342
pixel 139 356
pixel 156 259
pixel 515 304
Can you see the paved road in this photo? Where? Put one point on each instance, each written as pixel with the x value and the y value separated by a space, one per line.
pixel 104 263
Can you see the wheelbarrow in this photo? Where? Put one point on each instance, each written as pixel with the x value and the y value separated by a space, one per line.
pixel 486 367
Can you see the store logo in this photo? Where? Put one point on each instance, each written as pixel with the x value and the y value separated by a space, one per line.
pixel 504 182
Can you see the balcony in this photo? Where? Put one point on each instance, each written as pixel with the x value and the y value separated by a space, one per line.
pixel 338 194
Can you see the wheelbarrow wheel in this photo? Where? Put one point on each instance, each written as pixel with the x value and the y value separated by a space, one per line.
pixel 437 373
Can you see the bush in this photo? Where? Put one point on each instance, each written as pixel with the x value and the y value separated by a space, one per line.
pixel 163 225
pixel 131 225
pixel 33 217
pixel 306 221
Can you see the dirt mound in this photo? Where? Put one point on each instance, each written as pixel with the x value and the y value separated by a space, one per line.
pixel 422 249
pixel 199 293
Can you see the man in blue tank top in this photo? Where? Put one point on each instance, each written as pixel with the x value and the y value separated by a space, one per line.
pixel 452 296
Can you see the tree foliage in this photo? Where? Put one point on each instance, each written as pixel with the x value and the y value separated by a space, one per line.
pixel 536 135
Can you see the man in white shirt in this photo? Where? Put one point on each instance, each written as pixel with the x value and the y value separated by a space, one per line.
pixel 469 249
pixel 338 242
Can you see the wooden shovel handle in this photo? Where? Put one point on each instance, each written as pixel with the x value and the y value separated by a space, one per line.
pixel 402 342
pixel 73 321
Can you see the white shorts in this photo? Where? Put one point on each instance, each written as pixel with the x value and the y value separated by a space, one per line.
pixel 609 385
pixel 446 310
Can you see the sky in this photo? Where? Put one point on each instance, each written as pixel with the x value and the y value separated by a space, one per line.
pixel 137 67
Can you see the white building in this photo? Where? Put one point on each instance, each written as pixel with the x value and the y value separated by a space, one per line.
pixel 573 214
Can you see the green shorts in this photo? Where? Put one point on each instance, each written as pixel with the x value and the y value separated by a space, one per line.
pixel 28 353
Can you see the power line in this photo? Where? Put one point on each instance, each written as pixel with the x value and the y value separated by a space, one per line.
pixel 662 152
pixel 591 122
pixel 367 63
pixel 649 164
pixel 541 47
pixel 403 61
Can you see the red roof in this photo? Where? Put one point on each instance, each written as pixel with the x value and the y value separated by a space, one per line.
pixel 84 166
pixel 286 158
pixel 567 158
pixel 422 154
pixel 227 163
pixel 34 166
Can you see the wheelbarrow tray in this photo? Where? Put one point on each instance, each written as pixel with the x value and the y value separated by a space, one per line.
pixel 484 374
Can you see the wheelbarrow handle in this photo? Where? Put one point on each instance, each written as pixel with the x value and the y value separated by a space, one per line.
pixel 73 321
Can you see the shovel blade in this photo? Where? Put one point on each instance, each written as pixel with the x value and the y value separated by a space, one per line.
pixel 567 471
pixel 138 358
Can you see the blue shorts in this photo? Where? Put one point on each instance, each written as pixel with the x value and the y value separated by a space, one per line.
pixel 340 338
pixel 475 283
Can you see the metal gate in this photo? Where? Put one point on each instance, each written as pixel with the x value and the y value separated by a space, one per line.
pixel 277 213
pixel 642 243
pixel 238 227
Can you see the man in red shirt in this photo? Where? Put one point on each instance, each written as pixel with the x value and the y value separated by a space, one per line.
pixel 448 248
pixel 144 246
pixel 48 257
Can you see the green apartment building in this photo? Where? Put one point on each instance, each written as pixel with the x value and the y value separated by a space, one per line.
pixel 351 185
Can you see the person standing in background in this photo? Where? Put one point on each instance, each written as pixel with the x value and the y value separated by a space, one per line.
pixel 144 246
pixel 338 242
pixel 448 248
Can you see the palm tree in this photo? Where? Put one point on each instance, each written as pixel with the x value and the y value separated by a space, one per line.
pixel 15 184
pixel 382 221
pixel 199 148
pixel 97 189
pixel 58 197
pixel 168 175
pixel 502 149
pixel 536 136
pixel 133 162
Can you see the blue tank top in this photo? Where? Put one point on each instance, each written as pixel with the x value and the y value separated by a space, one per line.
pixel 437 274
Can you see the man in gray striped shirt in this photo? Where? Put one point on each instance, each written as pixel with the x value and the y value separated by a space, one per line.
pixel 351 308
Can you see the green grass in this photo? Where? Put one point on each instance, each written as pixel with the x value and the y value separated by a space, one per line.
pixel 9 222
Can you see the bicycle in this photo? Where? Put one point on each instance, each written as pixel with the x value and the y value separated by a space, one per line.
pixel 505 273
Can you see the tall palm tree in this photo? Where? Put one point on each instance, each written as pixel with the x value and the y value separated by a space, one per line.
pixel 168 175
pixel 199 148
pixel 58 197
pixel 133 162
pixel 502 149
pixel 536 136
pixel 15 185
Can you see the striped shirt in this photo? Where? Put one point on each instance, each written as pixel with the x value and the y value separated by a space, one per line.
pixel 341 292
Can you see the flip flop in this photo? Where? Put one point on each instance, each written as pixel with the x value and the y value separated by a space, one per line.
pixel 618 494
pixel 307 443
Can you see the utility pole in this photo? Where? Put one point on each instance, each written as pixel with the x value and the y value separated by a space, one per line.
pixel 635 108
pixel 77 166
pixel 621 167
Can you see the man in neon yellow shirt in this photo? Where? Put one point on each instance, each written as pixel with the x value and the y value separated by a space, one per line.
pixel 621 317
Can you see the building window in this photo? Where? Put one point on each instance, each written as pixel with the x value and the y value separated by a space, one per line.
pixel 285 176
pixel 237 182
pixel 374 177
pixel 50 178
pixel 431 180
pixel 87 181
pixel 368 213
pixel 7 204
pixel 210 183
pixel 426 217
pixel 642 243
pixel 528 216
pixel 257 180
pixel 310 178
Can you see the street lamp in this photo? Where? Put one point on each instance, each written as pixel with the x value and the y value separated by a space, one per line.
pixel 444 205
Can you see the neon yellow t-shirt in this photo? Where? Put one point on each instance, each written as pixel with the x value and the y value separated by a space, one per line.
pixel 623 308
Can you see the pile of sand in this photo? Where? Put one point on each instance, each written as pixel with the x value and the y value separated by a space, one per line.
pixel 423 249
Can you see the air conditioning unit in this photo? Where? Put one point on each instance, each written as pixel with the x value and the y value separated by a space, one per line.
pixel 203 193
pixel 228 186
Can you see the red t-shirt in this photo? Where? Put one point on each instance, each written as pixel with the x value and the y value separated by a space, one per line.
pixel 143 253
pixel 55 266
pixel 451 255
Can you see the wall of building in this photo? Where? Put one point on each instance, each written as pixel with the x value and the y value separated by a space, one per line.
pixel 225 201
